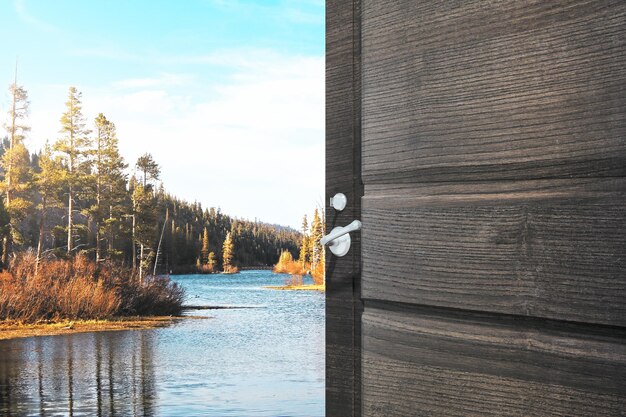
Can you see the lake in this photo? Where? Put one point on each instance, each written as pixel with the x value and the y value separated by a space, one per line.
pixel 262 361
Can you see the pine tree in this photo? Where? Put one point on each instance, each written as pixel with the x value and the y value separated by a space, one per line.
pixel 305 243
pixel 102 131
pixel 17 186
pixel 16 165
pixel 305 225
pixel 149 169
pixel 5 221
pixel 145 225
pixel 109 182
pixel 317 233
pixel 145 212
pixel 227 253
pixel 16 130
pixel 132 185
pixel 211 261
pixel 205 246
pixel 115 194
pixel 48 181
pixel 73 146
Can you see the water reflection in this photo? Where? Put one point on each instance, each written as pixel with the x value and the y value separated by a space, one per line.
pixel 264 362
pixel 102 374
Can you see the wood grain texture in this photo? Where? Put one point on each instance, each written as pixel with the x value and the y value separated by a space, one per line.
pixel 472 90
pixel 494 212
pixel 419 362
pixel 343 174
pixel 553 249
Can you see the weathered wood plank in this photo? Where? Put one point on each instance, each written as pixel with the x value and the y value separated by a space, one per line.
pixel 421 362
pixel 457 91
pixel 494 216
pixel 343 168
pixel 553 249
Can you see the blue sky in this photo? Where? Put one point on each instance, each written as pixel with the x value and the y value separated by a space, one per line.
pixel 227 95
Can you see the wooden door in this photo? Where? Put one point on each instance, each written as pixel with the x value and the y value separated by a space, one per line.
pixel 488 142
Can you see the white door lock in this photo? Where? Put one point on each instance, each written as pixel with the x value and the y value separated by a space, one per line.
pixel 339 201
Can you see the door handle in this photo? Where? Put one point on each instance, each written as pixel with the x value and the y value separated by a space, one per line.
pixel 338 240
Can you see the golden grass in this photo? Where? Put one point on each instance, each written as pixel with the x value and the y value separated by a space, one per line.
pixel 14 329
pixel 304 287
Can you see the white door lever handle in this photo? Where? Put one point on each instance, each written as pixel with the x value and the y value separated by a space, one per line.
pixel 338 240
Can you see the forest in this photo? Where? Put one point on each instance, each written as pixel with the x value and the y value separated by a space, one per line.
pixel 78 195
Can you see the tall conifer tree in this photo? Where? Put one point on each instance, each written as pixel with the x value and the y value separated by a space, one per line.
pixel 16 165
pixel 304 248
pixel 211 261
pixel 317 233
pixel 109 181
pixel 227 253
pixel 145 225
pixel 73 146
pixel 150 170
pixel 16 128
pixel 204 252
pixel 48 181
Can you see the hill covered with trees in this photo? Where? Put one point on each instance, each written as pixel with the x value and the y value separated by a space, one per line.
pixel 78 195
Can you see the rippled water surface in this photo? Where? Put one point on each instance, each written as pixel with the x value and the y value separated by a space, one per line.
pixel 262 361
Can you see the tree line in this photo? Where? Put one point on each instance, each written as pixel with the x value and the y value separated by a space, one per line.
pixel 311 255
pixel 79 195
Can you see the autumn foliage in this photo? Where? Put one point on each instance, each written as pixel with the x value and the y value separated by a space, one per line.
pixel 312 258
pixel 287 265
pixel 297 269
pixel 318 274
pixel 76 289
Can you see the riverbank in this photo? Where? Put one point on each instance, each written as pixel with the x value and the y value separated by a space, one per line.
pixel 14 330
pixel 304 287
pixel 11 329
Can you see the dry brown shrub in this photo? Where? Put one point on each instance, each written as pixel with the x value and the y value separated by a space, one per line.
pixel 78 289
pixel 5 276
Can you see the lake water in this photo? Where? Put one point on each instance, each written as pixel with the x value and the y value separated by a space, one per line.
pixel 262 361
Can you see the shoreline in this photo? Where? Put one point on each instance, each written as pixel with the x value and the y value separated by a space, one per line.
pixel 13 329
pixel 306 287
pixel 16 330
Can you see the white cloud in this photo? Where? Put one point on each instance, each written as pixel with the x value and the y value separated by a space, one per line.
pixel 253 145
